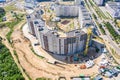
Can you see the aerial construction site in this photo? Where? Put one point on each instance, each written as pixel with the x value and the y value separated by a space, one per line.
pixel 67 36
pixel 57 40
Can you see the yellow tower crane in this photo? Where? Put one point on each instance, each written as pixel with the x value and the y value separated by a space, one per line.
pixel 89 33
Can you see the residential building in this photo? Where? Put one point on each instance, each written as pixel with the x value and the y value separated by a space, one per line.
pixel 30 18
pixel 78 2
pixel 30 4
pixel 113 8
pixel 58 42
pixel 85 18
pixel 99 2
pixel 66 10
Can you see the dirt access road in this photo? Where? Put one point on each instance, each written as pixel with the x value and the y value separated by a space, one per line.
pixel 34 66
pixel 3 32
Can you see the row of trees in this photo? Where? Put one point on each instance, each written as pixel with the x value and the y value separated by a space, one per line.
pixel 8 68
pixel 114 34
pixel 2 14
pixel 101 28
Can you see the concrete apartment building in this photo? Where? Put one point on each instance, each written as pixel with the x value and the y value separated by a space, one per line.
pixel 30 4
pixel 30 18
pixel 55 41
pixel 79 11
pixel 99 2
pixel 113 8
pixel 117 0
pixel 78 2
pixel 66 10
pixel 60 42
pixel 85 18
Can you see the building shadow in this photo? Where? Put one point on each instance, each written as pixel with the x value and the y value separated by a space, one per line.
pixel 42 0
pixel 78 57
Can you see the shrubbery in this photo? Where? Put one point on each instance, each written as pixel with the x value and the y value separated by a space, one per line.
pixel 114 34
pixel 2 14
pixel 8 68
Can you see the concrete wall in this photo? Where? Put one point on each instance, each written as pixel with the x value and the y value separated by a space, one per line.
pixel 66 10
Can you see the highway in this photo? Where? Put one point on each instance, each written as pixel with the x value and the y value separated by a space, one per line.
pixel 106 37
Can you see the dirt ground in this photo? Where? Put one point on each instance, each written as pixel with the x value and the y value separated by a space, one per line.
pixel 37 67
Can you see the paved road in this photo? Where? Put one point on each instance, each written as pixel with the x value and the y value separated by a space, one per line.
pixel 106 37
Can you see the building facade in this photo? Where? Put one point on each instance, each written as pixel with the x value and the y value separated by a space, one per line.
pixel 53 41
pixel 59 42
pixel 99 2
pixel 113 8
pixel 77 2
pixel 30 4
pixel 85 18
pixel 67 10
pixel 30 18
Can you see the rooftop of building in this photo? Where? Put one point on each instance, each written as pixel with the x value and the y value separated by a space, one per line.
pixel 58 33
pixel 86 16
pixel 114 5
pixel 62 23
pixel 59 26
pixel 33 15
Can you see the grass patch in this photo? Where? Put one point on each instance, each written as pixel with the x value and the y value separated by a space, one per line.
pixel 101 29
pixel 2 14
pixel 2 25
pixel 98 10
pixel 36 54
pixel 109 15
pixel 72 25
pixel 94 16
pixel 118 23
pixel 115 54
pixel 18 19
pixel 113 33
pixel 10 7
pixel 11 26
